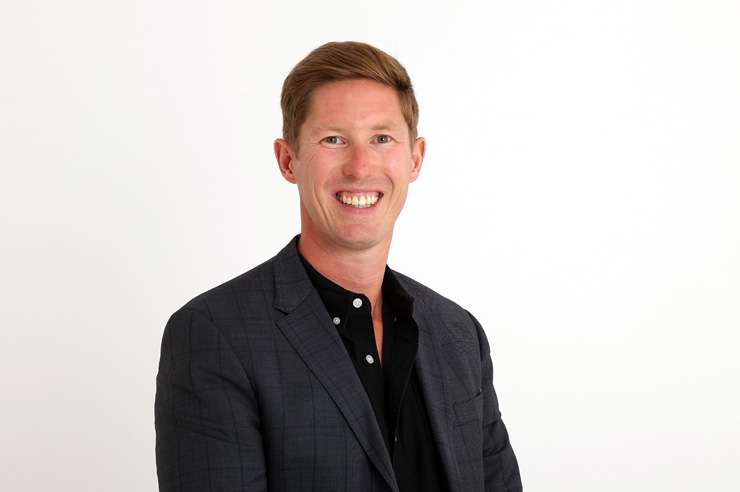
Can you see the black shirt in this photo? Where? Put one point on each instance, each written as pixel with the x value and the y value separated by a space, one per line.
pixel 393 387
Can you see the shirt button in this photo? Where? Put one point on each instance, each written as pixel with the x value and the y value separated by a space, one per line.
pixel 395 439
pixel 357 302
pixel 336 320
pixel 369 358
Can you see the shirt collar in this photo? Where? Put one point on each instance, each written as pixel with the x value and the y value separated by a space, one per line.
pixel 336 298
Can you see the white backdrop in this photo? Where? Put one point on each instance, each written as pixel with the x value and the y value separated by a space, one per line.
pixel 586 153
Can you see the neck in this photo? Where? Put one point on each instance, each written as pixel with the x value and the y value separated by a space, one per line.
pixel 359 271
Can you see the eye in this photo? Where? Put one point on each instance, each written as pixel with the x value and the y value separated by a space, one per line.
pixel 333 140
pixel 383 138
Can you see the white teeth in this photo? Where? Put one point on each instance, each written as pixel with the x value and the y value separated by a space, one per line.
pixel 362 200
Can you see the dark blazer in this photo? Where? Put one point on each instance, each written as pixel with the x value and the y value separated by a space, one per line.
pixel 256 391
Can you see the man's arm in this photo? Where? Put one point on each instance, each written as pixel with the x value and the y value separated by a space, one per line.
pixel 500 466
pixel 206 414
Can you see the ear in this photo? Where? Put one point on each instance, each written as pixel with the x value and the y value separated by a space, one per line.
pixel 417 157
pixel 284 155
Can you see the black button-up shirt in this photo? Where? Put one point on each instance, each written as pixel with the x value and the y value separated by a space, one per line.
pixel 393 387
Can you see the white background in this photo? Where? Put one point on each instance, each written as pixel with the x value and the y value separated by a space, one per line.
pixel 580 195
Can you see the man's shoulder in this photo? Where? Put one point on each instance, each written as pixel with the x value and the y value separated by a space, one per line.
pixel 256 282
pixel 429 297
pixel 438 307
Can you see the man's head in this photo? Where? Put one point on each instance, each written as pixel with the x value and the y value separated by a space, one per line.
pixel 350 144
pixel 337 61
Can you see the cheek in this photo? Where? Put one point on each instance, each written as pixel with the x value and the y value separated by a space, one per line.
pixel 309 177
pixel 401 178
pixel 314 191
pixel 401 161
pixel 401 172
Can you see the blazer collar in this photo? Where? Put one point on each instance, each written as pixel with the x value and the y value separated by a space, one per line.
pixel 432 368
pixel 308 328
pixel 292 284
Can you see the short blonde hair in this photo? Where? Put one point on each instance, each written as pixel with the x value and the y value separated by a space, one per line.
pixel 337 61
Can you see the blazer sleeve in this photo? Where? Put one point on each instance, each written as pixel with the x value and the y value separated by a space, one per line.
pixel 501 470
pixel 206 414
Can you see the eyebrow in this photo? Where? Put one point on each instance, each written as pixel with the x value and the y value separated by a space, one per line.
pixel 375 128
pixel 328 128
pixel 385 126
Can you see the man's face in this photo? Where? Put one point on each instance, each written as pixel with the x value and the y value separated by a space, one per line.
pixel 354 164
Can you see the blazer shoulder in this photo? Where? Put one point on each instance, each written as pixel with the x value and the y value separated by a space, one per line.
pixel 455 317
pixel 430 298
pixel 216 301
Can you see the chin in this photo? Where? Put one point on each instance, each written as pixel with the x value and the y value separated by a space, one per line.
pixel 358 244
pixel 358 240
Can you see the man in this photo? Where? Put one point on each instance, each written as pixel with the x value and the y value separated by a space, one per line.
pixel 323 369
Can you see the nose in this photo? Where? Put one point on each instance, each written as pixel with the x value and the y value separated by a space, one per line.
pixel 358 162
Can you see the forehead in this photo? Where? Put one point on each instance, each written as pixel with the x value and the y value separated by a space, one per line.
pixel 352 104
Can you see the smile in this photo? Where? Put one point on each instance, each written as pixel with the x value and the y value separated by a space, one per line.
pixel 359 200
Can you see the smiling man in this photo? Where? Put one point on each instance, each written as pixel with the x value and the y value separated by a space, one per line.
pixel 323 369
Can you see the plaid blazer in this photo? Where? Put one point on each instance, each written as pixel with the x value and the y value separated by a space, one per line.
pixel 255 391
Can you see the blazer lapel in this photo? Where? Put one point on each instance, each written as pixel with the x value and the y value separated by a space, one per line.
pixel 309 330
pixel 430 368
